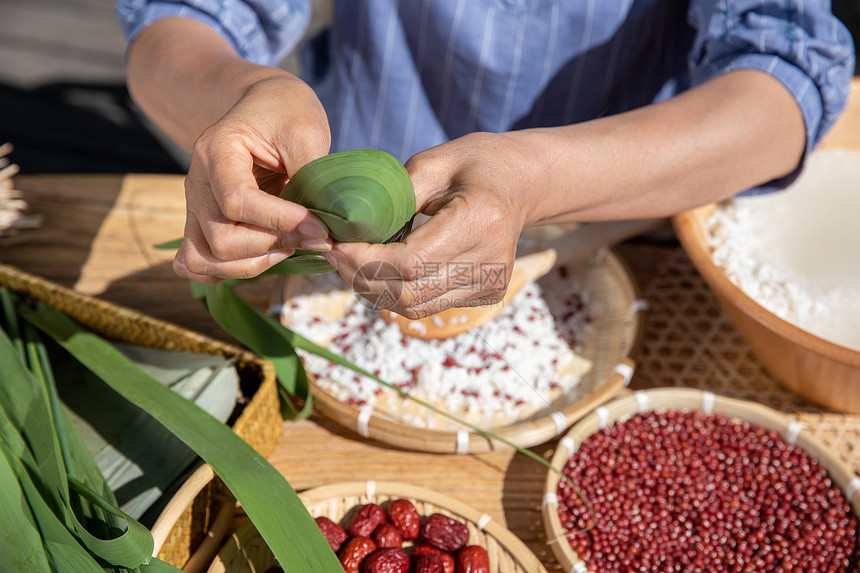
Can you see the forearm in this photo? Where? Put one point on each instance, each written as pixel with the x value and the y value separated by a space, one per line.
pixel 731 133
pixel 185 76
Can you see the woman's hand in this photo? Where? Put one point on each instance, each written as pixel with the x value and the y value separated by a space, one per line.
pixel 249 128
pixel 236 226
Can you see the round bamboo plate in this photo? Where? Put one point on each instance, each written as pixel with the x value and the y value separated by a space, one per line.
pixel 612 349
pixel 662 399
pixel 246 551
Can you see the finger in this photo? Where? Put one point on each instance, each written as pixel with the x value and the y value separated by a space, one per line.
pixel 230 241
pixel 239 199
pixel 239 220
pixel 194 259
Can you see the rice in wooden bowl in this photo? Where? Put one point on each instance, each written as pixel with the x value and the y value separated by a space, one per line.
pixel 786 269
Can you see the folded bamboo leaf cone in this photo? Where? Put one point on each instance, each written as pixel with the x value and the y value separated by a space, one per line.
pixel 362 195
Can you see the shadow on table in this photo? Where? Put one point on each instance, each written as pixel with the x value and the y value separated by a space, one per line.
pixel 522 494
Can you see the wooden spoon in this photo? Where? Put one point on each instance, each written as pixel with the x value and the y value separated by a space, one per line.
pixel 456 321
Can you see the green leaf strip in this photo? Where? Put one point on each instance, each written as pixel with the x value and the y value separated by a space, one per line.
pixel 265 336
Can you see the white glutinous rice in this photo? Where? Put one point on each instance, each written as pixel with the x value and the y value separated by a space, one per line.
pixel 797 252
pixel 506 369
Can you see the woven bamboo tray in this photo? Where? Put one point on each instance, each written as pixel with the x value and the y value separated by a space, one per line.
pixel 612 349
pixel 190 514
pixel 246 551
pixel 662 399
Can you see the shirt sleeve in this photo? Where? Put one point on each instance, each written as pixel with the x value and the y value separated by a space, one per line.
pixel 261 31
pixel 799 42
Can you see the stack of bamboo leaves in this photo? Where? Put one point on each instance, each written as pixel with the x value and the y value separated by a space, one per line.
pixel 58 514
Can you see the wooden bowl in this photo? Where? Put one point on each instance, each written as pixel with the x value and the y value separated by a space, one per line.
pixel 820 371
pixel 246 551
pixel 817 369
pixel 684 399
pixel 612 349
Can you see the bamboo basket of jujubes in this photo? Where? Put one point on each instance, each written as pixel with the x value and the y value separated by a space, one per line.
pixel 684 480
pixel 392 527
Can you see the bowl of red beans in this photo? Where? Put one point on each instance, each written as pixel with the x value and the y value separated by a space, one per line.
pixel 683 480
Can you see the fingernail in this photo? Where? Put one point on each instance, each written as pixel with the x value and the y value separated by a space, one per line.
pixel 332 260
pixel 278 256
pixel 316 245
pixel 313 230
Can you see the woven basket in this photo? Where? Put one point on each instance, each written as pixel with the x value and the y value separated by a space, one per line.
pixel 663 399
pixel 612 349
pixel 246 551
pixel 180 529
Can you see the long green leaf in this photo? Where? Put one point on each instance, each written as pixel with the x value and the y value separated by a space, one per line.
pixel 26 405
pixel 266 496
pixel 264 336
pixel 45 461
pixel 130 549
pixel 21 546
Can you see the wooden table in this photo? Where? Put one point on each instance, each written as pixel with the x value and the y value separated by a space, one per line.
pixel 97 238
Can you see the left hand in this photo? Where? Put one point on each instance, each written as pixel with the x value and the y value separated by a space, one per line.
pixel 476 190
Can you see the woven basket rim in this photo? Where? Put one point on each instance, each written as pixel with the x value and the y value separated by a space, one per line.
pixel 686 225
pixel 525 433
pixel 685 399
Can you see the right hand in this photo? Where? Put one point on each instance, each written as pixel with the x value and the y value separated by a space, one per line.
pixel 236 225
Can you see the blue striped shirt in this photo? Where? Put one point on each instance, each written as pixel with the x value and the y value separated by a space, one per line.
pixel 405 75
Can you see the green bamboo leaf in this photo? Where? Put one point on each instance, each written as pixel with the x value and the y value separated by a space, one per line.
pixel 21 547
pixel 25 402
pixel 362 195
pixel 167 245
pixel 131 548
pixel 11 319
pixel 259 332
pixel 62 549
pixel 265 495
pixel 158 566
pixel 302 262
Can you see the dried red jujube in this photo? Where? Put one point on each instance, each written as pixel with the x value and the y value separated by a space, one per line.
pixel 473 559
pixel 387 535
pixel 387 560
pixel 333 533
pixel 446 558
pixel 428 564
pixel 402 513
pixel 353 553
pixel 445 532
pixel 366 520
